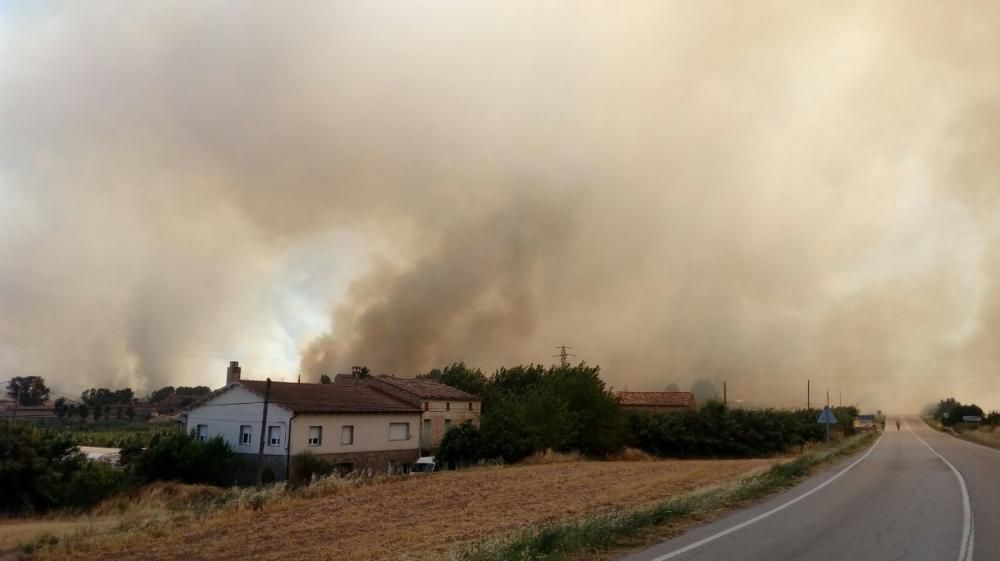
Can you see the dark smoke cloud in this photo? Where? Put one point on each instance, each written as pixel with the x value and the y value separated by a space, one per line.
pixel 677 190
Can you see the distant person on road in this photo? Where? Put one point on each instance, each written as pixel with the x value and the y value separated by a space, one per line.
pixel 899 423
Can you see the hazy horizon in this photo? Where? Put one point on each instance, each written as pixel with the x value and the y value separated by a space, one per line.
pixel 677 190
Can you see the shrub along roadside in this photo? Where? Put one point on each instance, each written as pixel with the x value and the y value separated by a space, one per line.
pixel 41 468
pixel 561 540
pixel 716 431
pixel 712 431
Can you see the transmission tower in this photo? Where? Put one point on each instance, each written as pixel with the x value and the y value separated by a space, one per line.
pixel 563 355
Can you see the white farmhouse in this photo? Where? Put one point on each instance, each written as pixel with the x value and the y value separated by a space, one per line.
pixel 357 427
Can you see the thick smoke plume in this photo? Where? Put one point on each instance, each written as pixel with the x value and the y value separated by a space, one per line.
pixel 759 194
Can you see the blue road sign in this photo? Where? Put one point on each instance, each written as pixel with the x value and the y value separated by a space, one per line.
pixel 826 417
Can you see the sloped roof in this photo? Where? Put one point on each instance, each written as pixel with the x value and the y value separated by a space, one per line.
pixel 657 399
pixel 329 398
pixel 425 389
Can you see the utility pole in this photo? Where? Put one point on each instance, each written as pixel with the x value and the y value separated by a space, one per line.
pixel 808 404
pixel 263 428
pixel 725 396
pixel 563 355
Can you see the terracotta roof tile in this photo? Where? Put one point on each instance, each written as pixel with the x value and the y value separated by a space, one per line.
pixel 425 389
pixel 330 398
pixel 658 399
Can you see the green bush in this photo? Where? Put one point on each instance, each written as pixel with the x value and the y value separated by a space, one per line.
pixel 461 446
pixel 507 434
pixel 94 482
pixel 182 457
pixel 306 465
pixel 35 466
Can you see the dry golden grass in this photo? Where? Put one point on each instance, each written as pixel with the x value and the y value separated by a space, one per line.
pixel 414 518
pixel 551 457
pixel 987 436
pixel 14 532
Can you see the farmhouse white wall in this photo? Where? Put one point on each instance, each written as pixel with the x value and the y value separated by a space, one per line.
pixel 238 406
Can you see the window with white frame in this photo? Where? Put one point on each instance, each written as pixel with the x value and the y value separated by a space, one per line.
pixel 246 435
pixel 347 435
pixel 315 436
pixel 274 436
pixel 202 433
pixel 399 431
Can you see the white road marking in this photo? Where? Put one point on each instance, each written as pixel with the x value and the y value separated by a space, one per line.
pixel 968 529
pixel 962 440
pixel 774 510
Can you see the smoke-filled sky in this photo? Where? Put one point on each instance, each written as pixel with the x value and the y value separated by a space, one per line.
pixel 759 193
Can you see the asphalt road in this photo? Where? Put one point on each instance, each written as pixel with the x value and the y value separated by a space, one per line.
pixel 915 495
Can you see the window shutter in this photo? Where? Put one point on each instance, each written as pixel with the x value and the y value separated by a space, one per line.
pixel 399 431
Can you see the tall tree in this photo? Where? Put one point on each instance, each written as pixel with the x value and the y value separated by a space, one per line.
pixel 28 390
pixel 59 406
pixel 161 394
pixel 460 376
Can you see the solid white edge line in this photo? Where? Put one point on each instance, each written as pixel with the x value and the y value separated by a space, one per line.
pixel 962 440
pixel 774 510
pixel 968 529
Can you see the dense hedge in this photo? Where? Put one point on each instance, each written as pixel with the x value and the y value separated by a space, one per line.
pixel 717 431
pixel 41 468
pixel 180 456
pixel 531 408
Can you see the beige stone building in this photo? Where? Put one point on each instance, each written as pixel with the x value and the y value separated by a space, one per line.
pixel 442 406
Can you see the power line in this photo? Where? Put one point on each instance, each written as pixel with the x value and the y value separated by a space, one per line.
pixel 563 356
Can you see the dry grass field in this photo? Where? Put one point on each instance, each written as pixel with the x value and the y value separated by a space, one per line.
pixel 14 532
pixel 420 517
pixel 987 436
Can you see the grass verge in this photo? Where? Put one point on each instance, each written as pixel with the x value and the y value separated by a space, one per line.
pixel 985 435
pixel 564 540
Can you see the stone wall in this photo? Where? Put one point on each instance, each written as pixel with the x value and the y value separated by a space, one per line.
pixel 373 463
pixel 246 468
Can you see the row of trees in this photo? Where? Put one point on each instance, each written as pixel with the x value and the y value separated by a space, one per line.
pixel 950 412
pixel 32 391
pixel 66 410
pixel 96 403
pixel 563 408
pixel 41 468
pixel 187 394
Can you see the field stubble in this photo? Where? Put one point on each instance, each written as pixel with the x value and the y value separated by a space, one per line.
pixel 416 518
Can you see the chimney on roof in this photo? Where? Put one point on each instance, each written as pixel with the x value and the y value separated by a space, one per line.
pixel 233 372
